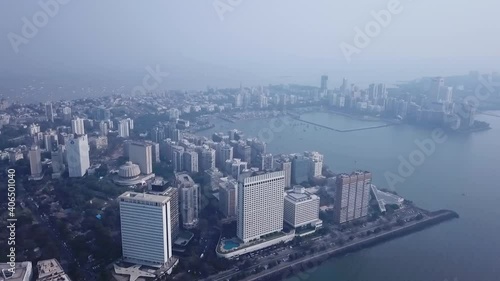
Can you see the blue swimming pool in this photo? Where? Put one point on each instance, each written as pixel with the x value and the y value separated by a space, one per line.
pixel 228 245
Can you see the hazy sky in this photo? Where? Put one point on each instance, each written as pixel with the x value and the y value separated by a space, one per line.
pixel 259 41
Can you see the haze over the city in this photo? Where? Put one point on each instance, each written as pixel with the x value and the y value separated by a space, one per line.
pixel 257 42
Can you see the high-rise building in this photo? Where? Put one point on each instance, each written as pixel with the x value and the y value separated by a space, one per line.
pixel 50 140
pixel 324 83
pixel 174 114
pixel 34 129
pixel 258 148
pixel 57 157
pixel 437 84
pixel 300 169
pixel 267 162
pixel 123 128
pixel 77 126
pixel 173 193
pixel 103 128
pixel 235 167
pixel 101 113
pixel 352 196
pixel 178 157
pixel 141 153
pixel 207 158
pixel 316 163
pixel 190 159
pixel 158 134
pixel 146 228
pixel 35 162
pixel 49 112
pixel 66 111
pixel 130 122
pixel 447 94
pixel 77 152
pixel 260 205
pixel 189 200
pixel 224 152
pixel 228 198
pixel 344 88
pixel 213 178
pixel 301 208
pixel 244 152
pixel 155 149
pixel 286 167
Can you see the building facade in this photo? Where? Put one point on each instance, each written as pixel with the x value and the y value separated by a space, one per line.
pixel 352 196
pixel 300 169
pixel 78 126
pixel 228 198
pixel 77 153
pixel 189 200
pixel 35 162
pixel 141 154
pixel 260 205
pixel 146 228
pixel 301 208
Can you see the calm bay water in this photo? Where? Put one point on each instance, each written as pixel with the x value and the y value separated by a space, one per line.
pixel 461 175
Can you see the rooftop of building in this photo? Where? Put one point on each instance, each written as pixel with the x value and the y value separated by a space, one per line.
pixel 184 178
pixel 20 271
pixel 357 172
pixel 49 270
pixel 140 143
pixel 263 177
pixel 145 197
pixel 299 194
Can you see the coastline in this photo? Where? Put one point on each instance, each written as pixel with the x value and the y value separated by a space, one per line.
pixel 284 271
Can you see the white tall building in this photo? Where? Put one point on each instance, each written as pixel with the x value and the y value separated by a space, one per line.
pixel 34 129
pixel 301 208
pixel 49 112
pixel 146 228
pixel 66 113
pixel 189 200
pixel 123 128
pixel 35 162
pixel 130 122
pixel 141 153
pixel 77 153
pixel 260 205
pixel 190 159
pixel 77 126
pixel 316 163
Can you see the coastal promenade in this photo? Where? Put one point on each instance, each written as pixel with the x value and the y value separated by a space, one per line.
pixel 434 218
pixel 298 266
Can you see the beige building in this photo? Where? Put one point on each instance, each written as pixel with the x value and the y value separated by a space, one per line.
pixel 352 196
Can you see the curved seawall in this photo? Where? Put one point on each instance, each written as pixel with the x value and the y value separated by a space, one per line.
pixel 307 262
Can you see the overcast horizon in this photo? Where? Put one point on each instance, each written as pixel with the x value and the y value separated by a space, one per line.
pixel 256 43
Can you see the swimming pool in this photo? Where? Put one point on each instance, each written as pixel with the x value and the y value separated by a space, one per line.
pixel 228 245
